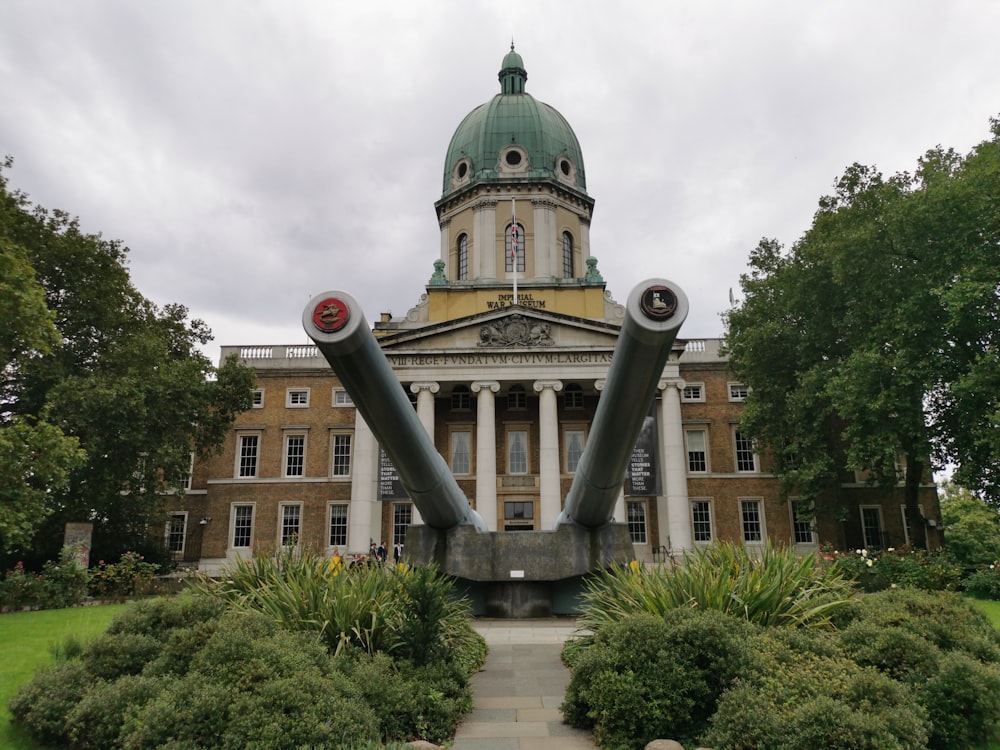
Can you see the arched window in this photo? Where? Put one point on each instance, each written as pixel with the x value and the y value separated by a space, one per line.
pixel 567 255
pixel 509 262
pixel 463 257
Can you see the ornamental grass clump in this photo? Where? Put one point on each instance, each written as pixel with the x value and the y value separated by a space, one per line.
pixel 775 586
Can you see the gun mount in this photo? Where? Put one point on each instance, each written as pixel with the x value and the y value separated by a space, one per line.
pixel 524 574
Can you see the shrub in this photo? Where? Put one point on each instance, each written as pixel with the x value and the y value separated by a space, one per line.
pixel 410 702
pixel 901 567
pixel 18 589
pixel 648 677
pixel 43 704
pixel 943 619
pixel 962 701
pixel 804 700
pixel 775 587
pixel 129 576
pixel 983 583
pixel 95 722
pixel 118 654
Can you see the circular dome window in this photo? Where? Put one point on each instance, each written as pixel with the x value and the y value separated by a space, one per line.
pixel 513 158
pixel 564 167
pixel 463 169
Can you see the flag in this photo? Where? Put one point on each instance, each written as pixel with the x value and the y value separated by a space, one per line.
pixel 513 234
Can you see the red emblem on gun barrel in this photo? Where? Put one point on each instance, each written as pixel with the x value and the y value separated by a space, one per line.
pixel 331 315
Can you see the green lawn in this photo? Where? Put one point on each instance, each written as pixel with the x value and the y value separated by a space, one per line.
pixel 27 639
pixel 992 610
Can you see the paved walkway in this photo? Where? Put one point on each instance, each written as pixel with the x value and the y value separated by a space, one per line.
pixel 518 692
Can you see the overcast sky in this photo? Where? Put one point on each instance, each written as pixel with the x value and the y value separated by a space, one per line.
pixel 252 154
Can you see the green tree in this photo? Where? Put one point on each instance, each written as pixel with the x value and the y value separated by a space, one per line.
pixel 971 527
pixel 875 337
pixel 122 377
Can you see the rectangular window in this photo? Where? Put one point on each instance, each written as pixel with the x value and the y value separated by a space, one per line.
pixel 737 392
pixel 258 398
pixel 636 511
pixel 802 526
pixel 573 397
pixel 461 452
pixel 697 451
pixel 746 459
pixel 247 457
pixel 342 397
pixel 701 520
pixel 402 517
pixel 242 525
pixel 518 515
pixel 753 521
pixel 291 518
pixel 341 463
pixel 693 392
pixel 517 452
pixel 295 455
pixel 574 440
pixel 176 532
pixel 338 525
pixel 297 398
pixel 871 526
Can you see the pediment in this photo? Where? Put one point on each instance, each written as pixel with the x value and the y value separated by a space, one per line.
pixel 513 328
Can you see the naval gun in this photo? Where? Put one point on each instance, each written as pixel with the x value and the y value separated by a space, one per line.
pixel 529 573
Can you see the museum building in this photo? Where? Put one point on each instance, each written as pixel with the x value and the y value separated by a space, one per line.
pixel 504 358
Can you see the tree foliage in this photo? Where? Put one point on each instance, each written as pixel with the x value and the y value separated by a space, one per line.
pixel 876 335
pixel 89 358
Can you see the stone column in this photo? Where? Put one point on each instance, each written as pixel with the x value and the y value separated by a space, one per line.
pixel 425 412
pixel 548 452
pixel 365 516
pixel 486 451
pixel 483 263
pixel 674 511
pixel 548 252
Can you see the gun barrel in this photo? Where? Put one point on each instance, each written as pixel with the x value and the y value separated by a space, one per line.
pixel 655 310
pixel 335 322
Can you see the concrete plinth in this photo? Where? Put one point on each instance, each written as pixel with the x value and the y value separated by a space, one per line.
pixel 520 574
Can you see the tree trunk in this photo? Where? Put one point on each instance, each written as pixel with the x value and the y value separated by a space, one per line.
pixel 911 492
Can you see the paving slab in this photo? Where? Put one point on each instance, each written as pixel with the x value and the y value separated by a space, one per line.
pixel 518 691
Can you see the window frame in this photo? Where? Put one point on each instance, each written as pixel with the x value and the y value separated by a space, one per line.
pixel 466 432
pixel 698 398
pixel 638 530
pixel 572 397
pixel 738 438
pixel 345 526
pixel 738 392
pixel 865 529
pixel 242 456
pixel 171 534
pixel 757 503
pixel 297 398
pixel 286 459
pixel 402 519
pixel 258 399
pixel 517 398
pixel 460 398
pixel 798 525
pixel 341 399
pixel 235 524
pixel 462 257
pixel 508 263
pixel 688 451
pixel 511 432
pixel 572 429
pixel 567 255
pixel 335 437
pixel 695 521
pixel 283 508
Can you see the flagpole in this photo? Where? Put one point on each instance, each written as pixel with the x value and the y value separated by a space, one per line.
pixel 513 244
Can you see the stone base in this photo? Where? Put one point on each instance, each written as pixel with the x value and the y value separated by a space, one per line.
pixel 520 574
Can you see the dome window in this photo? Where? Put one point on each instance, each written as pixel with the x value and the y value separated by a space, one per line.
pixel 513 160
pixel 565 170
pixel 461 173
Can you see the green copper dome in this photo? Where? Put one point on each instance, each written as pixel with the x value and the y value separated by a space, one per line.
pixel 513 137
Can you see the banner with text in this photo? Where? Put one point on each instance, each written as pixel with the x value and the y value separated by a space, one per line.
pixel 389 486
pixel 644 467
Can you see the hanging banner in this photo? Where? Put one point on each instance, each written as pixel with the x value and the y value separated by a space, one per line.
pixel 389 486
pixel 643 469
